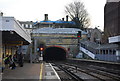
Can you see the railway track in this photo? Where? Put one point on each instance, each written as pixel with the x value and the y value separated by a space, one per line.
pixel 65 75
pixel 83 73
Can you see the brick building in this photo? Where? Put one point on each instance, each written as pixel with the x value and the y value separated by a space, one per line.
pixel 111 19
pixel 112 24
pixel 56 24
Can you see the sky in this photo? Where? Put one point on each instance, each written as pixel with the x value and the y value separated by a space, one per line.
pixel 34 10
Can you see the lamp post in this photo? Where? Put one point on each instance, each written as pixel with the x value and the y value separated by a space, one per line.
pixel 31 46
pixel 31 53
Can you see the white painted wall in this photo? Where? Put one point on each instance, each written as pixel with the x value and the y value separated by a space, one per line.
pixel 118 55
pixel 114 39
pixel 87 52
pixel 7 23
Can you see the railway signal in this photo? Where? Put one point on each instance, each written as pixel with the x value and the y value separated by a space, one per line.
pixel 79 34
pixel 78 37
pixel 41 48
pixel 41 51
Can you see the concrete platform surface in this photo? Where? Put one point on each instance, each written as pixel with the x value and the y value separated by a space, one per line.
pixel 31 72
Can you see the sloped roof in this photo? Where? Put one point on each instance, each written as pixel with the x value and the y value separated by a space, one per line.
pixel 51 30
pixel 101 46
pixel 59 22
pixel 56 22
pixel 107 46
pixel 90 44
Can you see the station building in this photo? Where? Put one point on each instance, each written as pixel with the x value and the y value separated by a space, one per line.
pixel 53 38
pixel 55 34
pixel 56 24
pixel 109 48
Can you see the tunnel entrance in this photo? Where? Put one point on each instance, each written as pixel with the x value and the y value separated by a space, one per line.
pixel 54 53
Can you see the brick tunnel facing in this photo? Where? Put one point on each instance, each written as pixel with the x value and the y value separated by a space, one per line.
pixel 54 53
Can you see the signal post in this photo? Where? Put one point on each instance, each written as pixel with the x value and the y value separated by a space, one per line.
pixel 79 37
pixel 41 52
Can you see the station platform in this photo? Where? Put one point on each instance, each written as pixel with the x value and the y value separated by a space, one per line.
pixel 31 72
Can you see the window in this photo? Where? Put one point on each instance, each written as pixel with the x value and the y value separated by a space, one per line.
pixel 110 51
pixel 97 51
pixel 103 51
pixel 114 52
pixel 22 25
pixel 7 20
pixel 26 25
pixel 106 51
pixel 30 25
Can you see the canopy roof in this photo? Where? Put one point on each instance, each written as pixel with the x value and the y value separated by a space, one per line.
pixel 12 31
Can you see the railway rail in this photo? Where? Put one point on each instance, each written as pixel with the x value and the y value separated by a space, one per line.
pixel 65 75
pixel 76 72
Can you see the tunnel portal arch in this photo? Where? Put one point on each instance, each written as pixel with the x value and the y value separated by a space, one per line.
pixel 52 53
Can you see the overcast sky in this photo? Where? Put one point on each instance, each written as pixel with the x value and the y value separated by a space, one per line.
pixel 34 10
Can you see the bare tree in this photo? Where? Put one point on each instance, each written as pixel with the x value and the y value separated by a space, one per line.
pixel 77 12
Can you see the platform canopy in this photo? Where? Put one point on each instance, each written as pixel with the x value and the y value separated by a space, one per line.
pixel 12 32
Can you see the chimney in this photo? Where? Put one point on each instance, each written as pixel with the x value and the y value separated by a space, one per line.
pixel 66 17
pixel 62 19
pixel 1 13
pixel 46 17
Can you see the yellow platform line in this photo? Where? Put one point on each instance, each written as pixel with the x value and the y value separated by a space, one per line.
pixel 41 71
